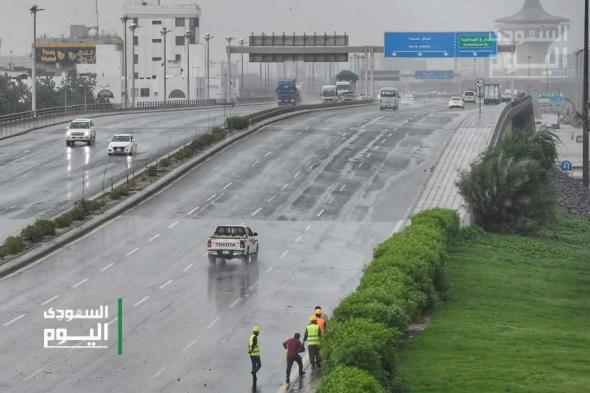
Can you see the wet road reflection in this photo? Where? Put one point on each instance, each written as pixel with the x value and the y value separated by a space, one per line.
pixel 231 280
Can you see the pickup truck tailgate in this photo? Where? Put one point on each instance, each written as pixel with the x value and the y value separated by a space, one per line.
pixel 225 244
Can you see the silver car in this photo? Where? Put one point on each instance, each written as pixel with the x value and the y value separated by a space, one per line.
pixel 80 130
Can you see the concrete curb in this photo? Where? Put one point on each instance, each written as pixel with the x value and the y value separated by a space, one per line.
pixel 118 113
pixel 47 248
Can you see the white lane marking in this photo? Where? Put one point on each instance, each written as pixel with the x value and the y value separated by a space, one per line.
pixel 160 371
pixel 279 145
pixel 192 211
pixel 112 321
pixel 256 212
pixel 298 239
pixel 256 163
pixel 132 252
pixel 320 213
pixel 211 197
pixel 369 155
pixel 235 302
pixel 107 266
pixel 297 174
pixel 173 225
pixel 228 185
pixel 188 267
pixel 273 198
pixel 267 154
pixel 308 228
pixel 13 320
pixel 342 188
pixel 49 300
pixel 165 284
pixel 141 301
pixel 37 371
pixel 151 239
pixel 76 285
pixel 397 226
pixel 284 254
pixel 270 269
pixel 212 323
pixel 189 345
pixel 284 187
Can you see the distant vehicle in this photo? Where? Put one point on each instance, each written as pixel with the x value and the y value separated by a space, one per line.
pixel 470 96
pixel 389 98
pixel 491 94
pixel 345 90
pixel 122 144
pixel 362 98
pixel 329 93
pixel 507 95
pixel 80 130
pixel 233 241
pixel 288 92
pixel 456 102
pixel 408 99
pixel 550 120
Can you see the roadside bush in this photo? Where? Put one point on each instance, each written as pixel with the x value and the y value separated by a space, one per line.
pixel 119 192
pixel 218 134
pixel 152 171
pixel 207 139
pixel 237 123
pixel 164 163
pixel 363 344
pixel 91 205
pixel 78 213
pixel 47 227
pixel 350 380
pixel 13 245
pixel 64 220
pixel 3 252
pixel 33 233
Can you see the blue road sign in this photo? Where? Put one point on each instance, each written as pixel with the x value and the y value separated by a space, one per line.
pixel 440 45
pixel 557 100
pixel 437 75
pixel 567 166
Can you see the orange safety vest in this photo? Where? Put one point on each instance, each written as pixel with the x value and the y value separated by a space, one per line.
pixel 321 323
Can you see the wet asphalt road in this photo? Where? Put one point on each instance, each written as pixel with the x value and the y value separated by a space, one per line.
pixel 41 177
pixel 321 190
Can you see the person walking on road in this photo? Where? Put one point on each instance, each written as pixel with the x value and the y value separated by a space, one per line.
pixel 254 352
pixel 313 336
pixel 294 347
pixel 321 321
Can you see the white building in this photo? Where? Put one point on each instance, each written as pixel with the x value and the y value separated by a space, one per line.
pixel 182 21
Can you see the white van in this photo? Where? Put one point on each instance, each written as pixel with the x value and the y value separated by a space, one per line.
pixel 389 98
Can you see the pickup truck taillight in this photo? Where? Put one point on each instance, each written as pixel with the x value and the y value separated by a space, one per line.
pixel 242 244
pixel 209 243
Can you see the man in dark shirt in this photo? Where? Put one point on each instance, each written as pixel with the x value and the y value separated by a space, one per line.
pixel 294 346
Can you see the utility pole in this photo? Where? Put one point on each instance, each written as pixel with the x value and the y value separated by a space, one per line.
pixel 97 29
pixel 585 151
pixel 229 39
pixel 187 36
pixel 34 9
pixel 242 42
pixel 207 39
pixel 164 32
pixel 132 28
pixel 124 20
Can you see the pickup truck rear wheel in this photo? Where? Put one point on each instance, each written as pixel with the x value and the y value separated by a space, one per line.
pixel 212 259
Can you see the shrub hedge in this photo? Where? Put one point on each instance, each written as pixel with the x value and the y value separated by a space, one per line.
pixel 237 123
pixel 405 279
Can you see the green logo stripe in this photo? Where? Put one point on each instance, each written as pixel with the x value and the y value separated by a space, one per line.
pixel 120 326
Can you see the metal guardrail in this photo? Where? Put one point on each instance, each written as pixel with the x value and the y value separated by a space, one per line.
pixel 515 105
pixel 266 114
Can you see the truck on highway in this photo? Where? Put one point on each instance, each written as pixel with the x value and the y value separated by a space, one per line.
pixel 345 90
pixel 288 92
pixel 233 241
pixel 389 98
pixel 491 94
pixel 329 93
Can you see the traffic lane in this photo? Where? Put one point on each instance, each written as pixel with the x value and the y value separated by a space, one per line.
pixel 63 174
pixel 282 253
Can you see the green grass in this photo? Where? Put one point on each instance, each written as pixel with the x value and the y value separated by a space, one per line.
pixel 518 319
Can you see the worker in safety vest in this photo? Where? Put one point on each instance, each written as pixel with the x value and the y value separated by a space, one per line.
pixel 320 320
pixel 313 336
pixel 254 352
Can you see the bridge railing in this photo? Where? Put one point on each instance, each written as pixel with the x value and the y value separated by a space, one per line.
pixel 518 105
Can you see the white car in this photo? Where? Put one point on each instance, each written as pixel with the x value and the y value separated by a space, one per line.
pixel 456 102
pixel 233 241
pixel 408 99
pixel 470 96
pixel 80 130
pixel 122 144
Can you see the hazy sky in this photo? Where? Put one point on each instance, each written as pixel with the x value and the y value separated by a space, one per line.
pixel 364 21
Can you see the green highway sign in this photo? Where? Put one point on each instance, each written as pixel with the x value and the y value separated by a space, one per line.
pixel 470 42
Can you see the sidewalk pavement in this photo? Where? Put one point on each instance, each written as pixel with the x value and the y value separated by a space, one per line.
pixel 470 140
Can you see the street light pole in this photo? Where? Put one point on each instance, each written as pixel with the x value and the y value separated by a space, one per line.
pixel 585 147
pixel 124 20
pixel 229 39
pixel 242 42
pixel 34 9
pixel 207 39
pixel 132 28
pixel 187 36
pixel 164 32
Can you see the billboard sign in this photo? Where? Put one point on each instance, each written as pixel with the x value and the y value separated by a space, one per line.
pixel 440 45
pixel 434 75
pixel 66 55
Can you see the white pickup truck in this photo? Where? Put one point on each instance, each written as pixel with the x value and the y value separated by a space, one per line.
pixel 233 241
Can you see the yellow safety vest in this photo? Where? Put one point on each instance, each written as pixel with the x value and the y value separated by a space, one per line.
pixel 313 334
pixel 253 350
